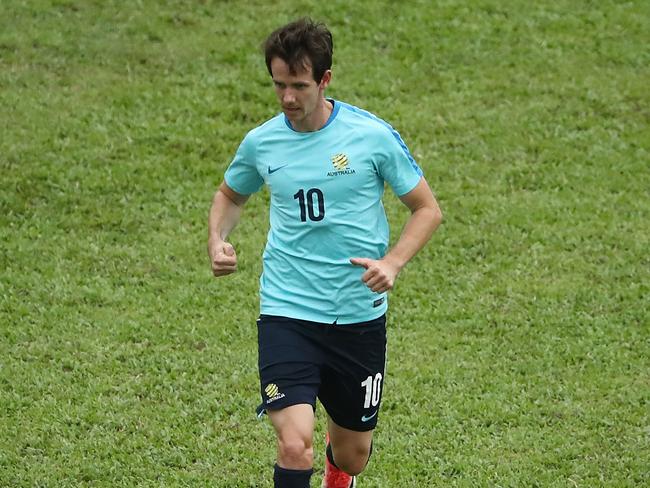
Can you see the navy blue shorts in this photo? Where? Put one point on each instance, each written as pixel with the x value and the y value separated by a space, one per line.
pixel 341 365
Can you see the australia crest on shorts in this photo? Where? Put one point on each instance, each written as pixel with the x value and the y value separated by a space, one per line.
pixel 273 393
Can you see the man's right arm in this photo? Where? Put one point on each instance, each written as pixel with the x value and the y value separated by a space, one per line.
pixel 226 209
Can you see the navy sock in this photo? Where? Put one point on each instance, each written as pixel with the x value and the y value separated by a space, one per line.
pixel 291 478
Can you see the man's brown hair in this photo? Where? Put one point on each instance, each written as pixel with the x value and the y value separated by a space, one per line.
pixel 301 44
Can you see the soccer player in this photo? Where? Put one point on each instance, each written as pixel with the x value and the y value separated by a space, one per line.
pixel 327 267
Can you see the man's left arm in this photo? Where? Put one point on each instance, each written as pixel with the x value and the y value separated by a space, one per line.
pixel 380 274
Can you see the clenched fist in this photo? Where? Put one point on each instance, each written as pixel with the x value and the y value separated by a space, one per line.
pixel 222 258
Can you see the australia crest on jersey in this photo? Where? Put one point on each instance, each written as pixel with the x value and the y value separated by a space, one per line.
pixel 340 162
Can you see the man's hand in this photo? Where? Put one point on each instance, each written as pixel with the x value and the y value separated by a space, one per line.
pixel 380 274
pixel 222 257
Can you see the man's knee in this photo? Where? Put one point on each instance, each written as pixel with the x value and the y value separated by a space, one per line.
pixel 294 427
pixel 352 460
pixel 295 452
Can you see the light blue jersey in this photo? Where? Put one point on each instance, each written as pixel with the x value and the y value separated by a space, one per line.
pixel 326 189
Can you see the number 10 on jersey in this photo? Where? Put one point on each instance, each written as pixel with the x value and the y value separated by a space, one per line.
pixel 311 203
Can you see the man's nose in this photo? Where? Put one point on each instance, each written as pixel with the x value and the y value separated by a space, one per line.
pixel 288 96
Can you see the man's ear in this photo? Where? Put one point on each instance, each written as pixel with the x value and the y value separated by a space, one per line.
pixel 325 80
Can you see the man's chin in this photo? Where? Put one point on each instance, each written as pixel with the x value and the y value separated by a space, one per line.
pixel 292 114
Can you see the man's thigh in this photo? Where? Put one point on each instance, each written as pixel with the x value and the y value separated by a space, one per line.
pixel 352 378
pixel 289 366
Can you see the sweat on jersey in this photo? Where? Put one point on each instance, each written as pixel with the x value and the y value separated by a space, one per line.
pixel 326 189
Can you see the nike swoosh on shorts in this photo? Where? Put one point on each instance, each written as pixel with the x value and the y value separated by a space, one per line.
pixel 365 419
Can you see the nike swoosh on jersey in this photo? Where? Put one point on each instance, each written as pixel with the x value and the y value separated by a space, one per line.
pixel 273 170
pixel 365 419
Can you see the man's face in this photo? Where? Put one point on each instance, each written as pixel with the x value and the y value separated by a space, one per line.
pixel 298 93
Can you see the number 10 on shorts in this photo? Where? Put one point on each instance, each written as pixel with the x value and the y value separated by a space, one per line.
pixel 373 390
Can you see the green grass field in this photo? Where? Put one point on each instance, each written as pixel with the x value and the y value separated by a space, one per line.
pixel 519 339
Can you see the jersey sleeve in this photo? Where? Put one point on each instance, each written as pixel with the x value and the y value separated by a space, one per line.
pixel 396 165
pixel 242 174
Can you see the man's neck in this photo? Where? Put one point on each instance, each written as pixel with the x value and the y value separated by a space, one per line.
pixel 318 118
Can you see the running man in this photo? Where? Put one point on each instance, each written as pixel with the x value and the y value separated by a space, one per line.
pixel 327 266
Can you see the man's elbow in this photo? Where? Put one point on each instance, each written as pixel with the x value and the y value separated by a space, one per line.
pixel 435 216
pixel 438 216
